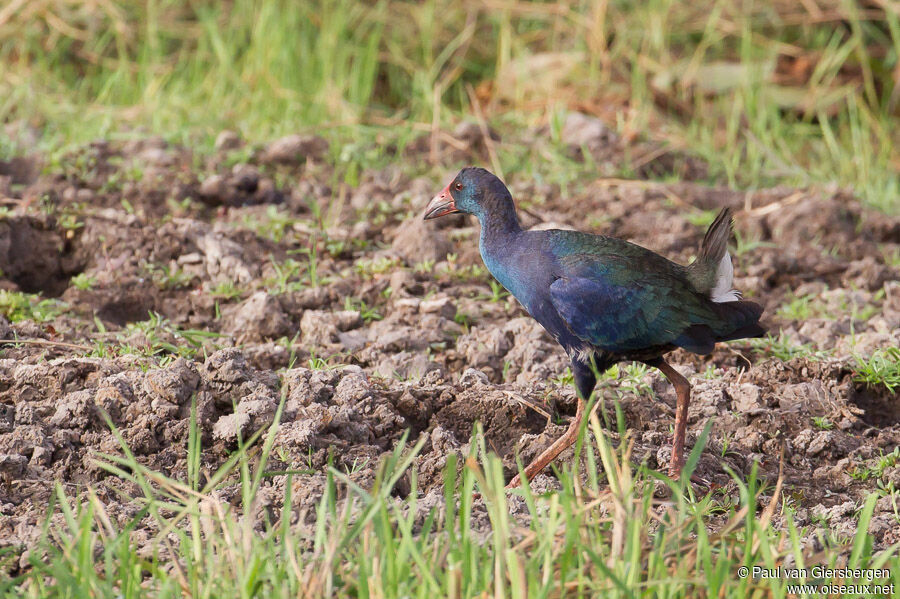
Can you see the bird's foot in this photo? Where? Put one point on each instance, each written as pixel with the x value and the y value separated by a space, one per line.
pixel 700 481
pixel 514 483
pixel 675 474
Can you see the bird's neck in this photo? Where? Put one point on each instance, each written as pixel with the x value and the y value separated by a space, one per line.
pixel 501 246
pixel 500 223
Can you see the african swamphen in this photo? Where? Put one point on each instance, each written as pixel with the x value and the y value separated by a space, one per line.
pixel 603 299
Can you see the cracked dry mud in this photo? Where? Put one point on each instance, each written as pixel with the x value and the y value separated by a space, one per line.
pixel 379 323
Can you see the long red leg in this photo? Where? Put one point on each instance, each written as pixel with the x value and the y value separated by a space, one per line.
pixel 585 379
pixel 550 454
pixel 683 393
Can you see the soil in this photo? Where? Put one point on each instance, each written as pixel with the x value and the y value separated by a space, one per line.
pixel 375 324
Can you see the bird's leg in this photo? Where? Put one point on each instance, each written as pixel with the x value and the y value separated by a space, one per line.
pixel 549 454
pixel 683 394
pixel 584 385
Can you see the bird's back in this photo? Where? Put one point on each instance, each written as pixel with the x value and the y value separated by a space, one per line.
pixel 623 298
pixel 584 252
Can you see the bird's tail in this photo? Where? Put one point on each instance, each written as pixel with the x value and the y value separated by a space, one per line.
pixel 711 273
pixel 732 320
pixel 739 320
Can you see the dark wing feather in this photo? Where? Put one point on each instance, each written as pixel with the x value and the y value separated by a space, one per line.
pixel 622 298
pixel 621 319
pixel 606 316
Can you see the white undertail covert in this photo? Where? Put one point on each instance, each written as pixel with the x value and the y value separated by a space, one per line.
pixel 723 291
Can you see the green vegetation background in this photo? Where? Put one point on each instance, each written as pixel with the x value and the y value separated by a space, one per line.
pixel 771 92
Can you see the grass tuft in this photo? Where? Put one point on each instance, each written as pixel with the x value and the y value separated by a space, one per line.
pixel 607 534
pixel 882 368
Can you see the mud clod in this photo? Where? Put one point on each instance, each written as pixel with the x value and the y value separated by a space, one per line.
pixel 295 148
pixel 257 318
pixel 418 241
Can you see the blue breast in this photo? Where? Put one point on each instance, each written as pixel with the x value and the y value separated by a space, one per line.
pixel 508 261
pixel 526 270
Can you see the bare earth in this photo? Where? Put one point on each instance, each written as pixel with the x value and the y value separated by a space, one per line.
pixel 152 228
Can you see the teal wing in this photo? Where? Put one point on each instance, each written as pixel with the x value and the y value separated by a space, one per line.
pixel 622 298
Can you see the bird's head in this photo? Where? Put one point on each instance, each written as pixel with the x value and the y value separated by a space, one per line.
pixel 473 191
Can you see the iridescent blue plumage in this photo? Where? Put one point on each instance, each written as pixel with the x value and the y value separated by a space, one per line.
pixel 603 299
pixel 623 298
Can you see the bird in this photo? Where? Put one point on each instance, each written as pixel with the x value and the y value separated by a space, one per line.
pixel 606 300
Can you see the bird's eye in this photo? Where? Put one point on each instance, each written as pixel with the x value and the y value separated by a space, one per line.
pixel 458 186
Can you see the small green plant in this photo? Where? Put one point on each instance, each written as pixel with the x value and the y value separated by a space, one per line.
pixel 744 245
pixel 344 248
pixel 630 377
pixel 726 443
pixel 83 281
pixel 425 266
pixel 860 473
pixel 368 314
pixel 287 276
pixel 113 184
pixel 882 368
pixel 102 349
pixel 889 489
pixel 798 308
pixel 473 272
pixel 357 466
pixel 168 277
pixel 885 461
pixel 336 248
pixel 565 379
pixel 70 221
pixel 470 273
pixel 369 267
pixel 226 290
pixel 240 155
pixel 274 225
pixel 291 346
pixel 783 348
pixel 312 263
pixel 701 218
pixel 813 306
pixel 634 378
pixel 315 362
pixel 498 292
pixel 822 423
pixel 101 328
pixel 876 467
pixel 178 207
pixel 892 257
pixel 162 338
pixel 463 319
pixel 16 306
